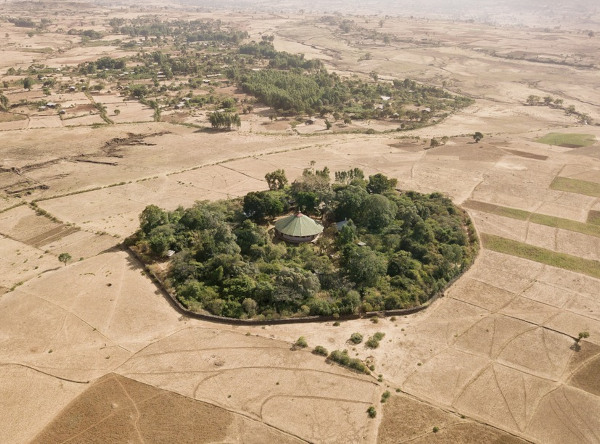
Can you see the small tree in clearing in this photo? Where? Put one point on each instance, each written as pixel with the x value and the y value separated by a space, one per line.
pixel 583 335
pixel 28 83
pixel 64 258
pixel 477 136
pixel 276 179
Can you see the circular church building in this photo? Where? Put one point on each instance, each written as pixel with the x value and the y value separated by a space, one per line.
pixel 297 228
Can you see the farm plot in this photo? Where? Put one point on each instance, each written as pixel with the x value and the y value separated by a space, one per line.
pixel 262 379
pixel 120 409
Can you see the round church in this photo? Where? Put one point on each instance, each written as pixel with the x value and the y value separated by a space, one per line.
pixel 297 228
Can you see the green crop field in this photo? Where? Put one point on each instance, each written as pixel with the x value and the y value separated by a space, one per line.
pixel 513 213
pixel 591 228
pixel 576 186
pixel 568 140
pixel 541 255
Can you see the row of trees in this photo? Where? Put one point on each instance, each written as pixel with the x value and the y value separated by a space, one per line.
pixel 534 100
pixel 224 120
pixel 190 31
pixel 227 263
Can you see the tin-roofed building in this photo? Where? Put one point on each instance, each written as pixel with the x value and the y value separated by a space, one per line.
pixel 297 228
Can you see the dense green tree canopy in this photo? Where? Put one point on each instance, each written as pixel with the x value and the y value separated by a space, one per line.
pixel 396 249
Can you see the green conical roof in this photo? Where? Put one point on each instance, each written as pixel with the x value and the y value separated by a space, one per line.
pixel 298 225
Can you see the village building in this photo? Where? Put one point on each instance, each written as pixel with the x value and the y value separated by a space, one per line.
pixel 297 228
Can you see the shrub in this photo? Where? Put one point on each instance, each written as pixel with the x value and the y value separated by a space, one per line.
pixel 301 342
pixel 356 338
pixel 385 396
pixel 436 429
pixel 358 365
pixel 320 350
pixel 342 358
pixel 379 336
pixel 372 412
pixel 373 341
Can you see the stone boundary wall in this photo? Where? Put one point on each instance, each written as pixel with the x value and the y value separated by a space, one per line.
pixel 178 306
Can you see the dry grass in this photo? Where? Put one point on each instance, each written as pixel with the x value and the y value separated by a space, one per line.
pixel 11 117
pixel 405 419
pixel 587 377
pixel 594 217
pixel 118 409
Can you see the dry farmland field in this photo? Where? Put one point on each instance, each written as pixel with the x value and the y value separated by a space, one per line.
pixel 91 350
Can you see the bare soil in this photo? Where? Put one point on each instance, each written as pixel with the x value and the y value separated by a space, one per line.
pixel 409 420
pixel 118 409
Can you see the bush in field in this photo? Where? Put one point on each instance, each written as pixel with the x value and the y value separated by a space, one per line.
pixel 342 358
pixel 320 350
pixel 301 342
pixel 356 338
pixel 373 341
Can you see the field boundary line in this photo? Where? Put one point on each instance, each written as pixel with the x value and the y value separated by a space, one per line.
pixel 62 378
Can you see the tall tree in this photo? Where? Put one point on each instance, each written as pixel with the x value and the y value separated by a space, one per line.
pixel 152 217
pixel 64 258
pixel 224 120
pixel 379 184
pixel 276 179
pixel 363 265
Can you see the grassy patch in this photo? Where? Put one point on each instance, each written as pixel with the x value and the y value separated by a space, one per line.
pixel 594 217
pixel 576 186
pixel 541 255
pixel 589 228
pixel 513 213
pixel 568 140
pixel 566 224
